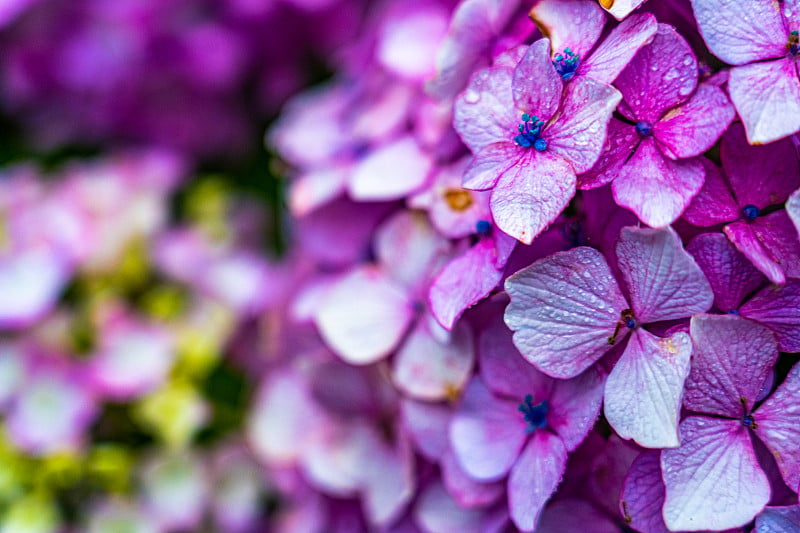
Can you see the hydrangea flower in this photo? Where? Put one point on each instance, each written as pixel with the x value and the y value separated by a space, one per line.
pixel 528 141
pixel 714 480
pixel 670 120
pixel 515 421
pixel 760 39
pixel 568 310
pixel 747 196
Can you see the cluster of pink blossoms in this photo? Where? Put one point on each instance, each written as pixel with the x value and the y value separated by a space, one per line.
pixel 543 275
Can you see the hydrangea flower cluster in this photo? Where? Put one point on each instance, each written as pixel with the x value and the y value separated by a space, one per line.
pixel 542 275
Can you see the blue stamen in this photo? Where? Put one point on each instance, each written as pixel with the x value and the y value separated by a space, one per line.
pixel 794 42
pixel 530 133
pixel 567 64
pixel 750 212
pixel 733 311
pixel 749 422
pixel 644 129
pixel 535 415
pixel 630 323
pixel 483 227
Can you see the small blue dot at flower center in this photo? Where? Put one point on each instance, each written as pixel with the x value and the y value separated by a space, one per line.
pixel 534 415
pixel 530 133
pixel 793 43
pixel 644 129
pixel 483 227
pixel 750 212
pixel 749 422
pixel 567 64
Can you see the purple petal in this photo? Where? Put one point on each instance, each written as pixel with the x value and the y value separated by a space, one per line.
pixel 463 282
pixel 486 433
pixel 535 477
pixel 466 491
pixel 484 113
pixel 661 76
pixel 692 128
pixel 392 171
pixel 643 495
pixel 490 163
pixel 536 85
pixel 437 512
pixel 759 175
pixel 731 275
pixel 364 316
pixel 426 424
pixel 620 9
pixel 503 369
pixel 664 281
pixel 779 520
pixel 316 188
pixel 621 141
pixel 619 48
pixel 777 308
pixel 579 133
pixel 574 406
pixel 30 282
pixel 778 426
pixel 531 194
pixel 563 310
pixel 574 516
pixel 771 243
pixel 714 204
pixel 767 97
pixel 713 481
pixel 739 32
pixel 656 188
pixel 732 359
pixel 574 24
pixel 643 391
pixel 432 364
pixel 388 480
pixel 793 209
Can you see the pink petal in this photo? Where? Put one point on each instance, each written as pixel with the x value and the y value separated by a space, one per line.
pixel 490 163
pixel 692 128
pixel 656 188
pixel 392 171
pixel 409 38
pixel 643 392
pixel 621 141
pixel 432 364
pixel 759 175
pixel 778 421
pixel 753 30
pixel 437 512
pixel 714 204
pixel 574 24
pixel 579 133
pixel 573 516
pixel 317 187
pixel 619 48
pixel 776 307
pixel 534 478
pixel 620 9
pixel 732 359
pixel 771 243
pixel 463 282
pixel 563 310
pixel 643 495
pixel 484 113
pixel 713 481
pixel 531 194
pixel 536 85
pixel 426 424
pixel 364 316
pixel 731 275
pixel 664 281
pixel 486 433
pixel 661 76
pixel 575 405
pixel 388 480
pixel 779 520
pixel 466 491
pixel 767 97
pixel 793 209
pixel 30 282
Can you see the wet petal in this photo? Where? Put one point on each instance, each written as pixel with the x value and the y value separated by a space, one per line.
pixel 642 496
pixel 732 359
pixel 643 392
pixel 656 188
pixel 535 477
pixel 664 281
pixel 714 204
pixel 771 243
pixel 692 128
pixel 490 164
pixel 778 421
pixel 621 8
pixel 713 481
pixel 777 308
pixel 767 97
pixel 484 113
pixel 563 310
pixel 531 194
pixel 621 142
pixel 574 406
pixel 536 85
pixel 574 24
pixel 618 49
pixel 779 520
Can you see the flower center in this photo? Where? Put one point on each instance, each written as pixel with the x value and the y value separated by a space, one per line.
pixel 530 133
pixel 626 319
pixel 644 129
pixel 567 64
pixel 733 311
pixel 535 415
pixel 749 422
pixel 750 211
pixel 458 199
pixel 793 44
pixel 483 227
